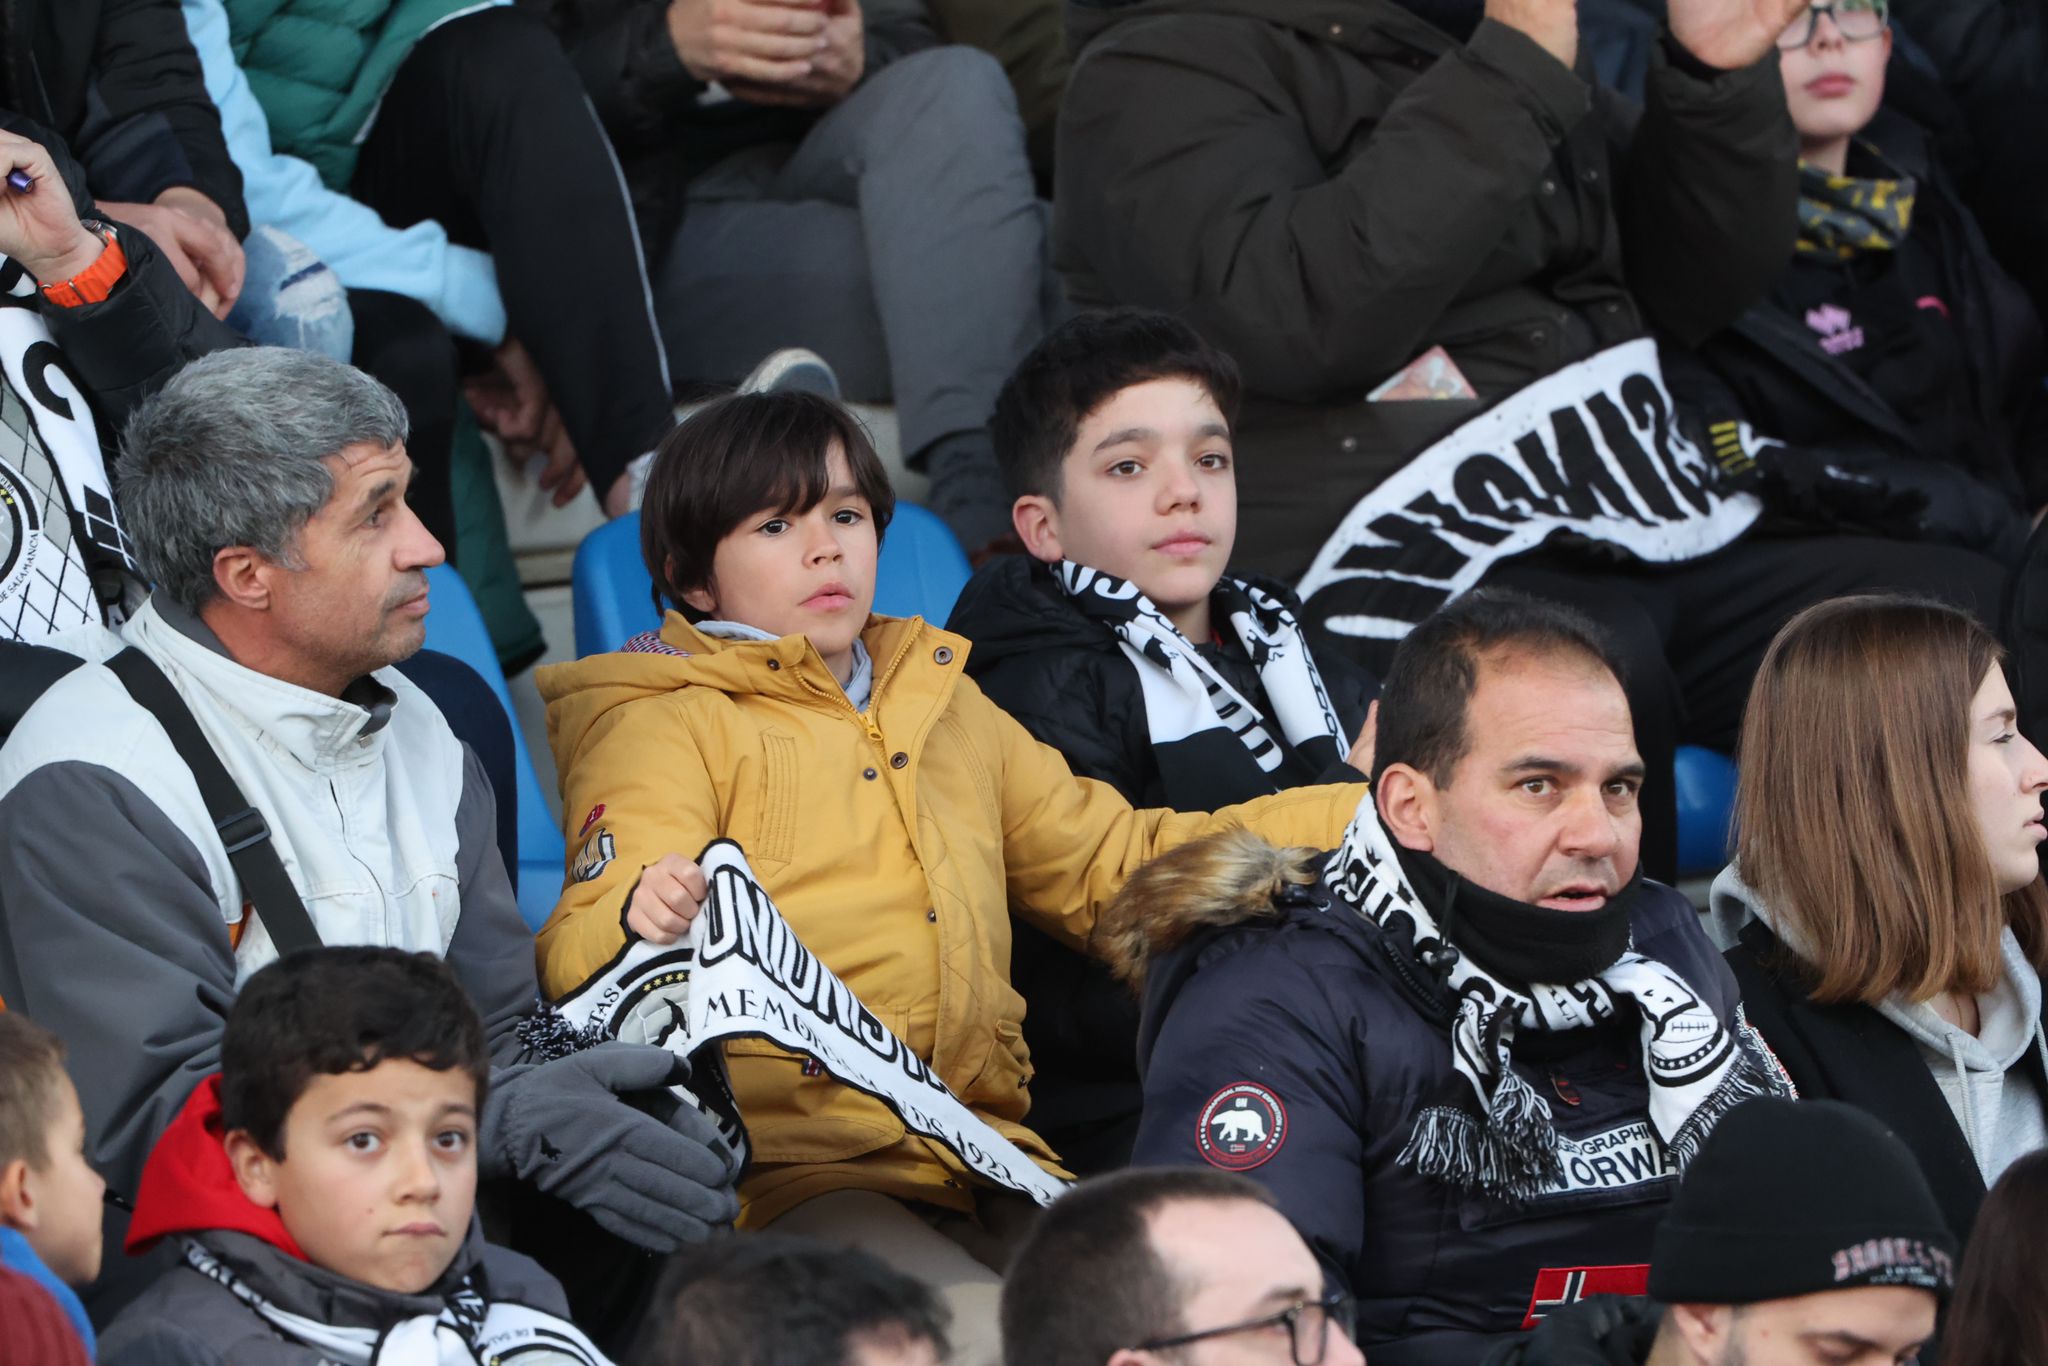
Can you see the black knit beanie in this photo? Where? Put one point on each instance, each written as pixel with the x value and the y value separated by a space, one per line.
pixel 1790 1198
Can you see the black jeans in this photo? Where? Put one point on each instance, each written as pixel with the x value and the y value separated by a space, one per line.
pixel 486 130
pixel 1690 636
pixel 402 343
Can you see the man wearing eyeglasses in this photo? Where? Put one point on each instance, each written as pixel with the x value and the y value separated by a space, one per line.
pixel 1186 1265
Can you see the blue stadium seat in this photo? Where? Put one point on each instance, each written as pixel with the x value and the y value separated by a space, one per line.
pixel 455 627
pixel 921 573
pixel 17 1255
pixel 1706 801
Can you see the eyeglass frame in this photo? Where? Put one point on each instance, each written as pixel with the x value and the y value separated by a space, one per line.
pixel 1828 7
pixel 1338 1307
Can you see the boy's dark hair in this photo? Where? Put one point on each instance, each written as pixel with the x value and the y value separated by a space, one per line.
pixel 324 1012
pixel 734 457
pixel 1087 1282
pixel 766 1299
pixel 31 1066
pixel 1429 684
pixel 1082 364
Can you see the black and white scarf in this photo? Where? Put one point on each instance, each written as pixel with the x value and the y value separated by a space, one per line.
pixel 1186 700
pixel 469 1330
pixel 1500 1138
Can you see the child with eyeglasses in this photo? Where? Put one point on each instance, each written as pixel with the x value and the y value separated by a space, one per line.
pixel 1896 360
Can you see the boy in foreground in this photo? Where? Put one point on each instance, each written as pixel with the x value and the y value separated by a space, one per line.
pixel 1123 642
pixel 323 1186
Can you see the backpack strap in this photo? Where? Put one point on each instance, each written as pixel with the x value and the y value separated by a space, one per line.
pixel 241 826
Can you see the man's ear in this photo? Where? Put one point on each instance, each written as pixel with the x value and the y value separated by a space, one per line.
pixel 1407 799
pixel 1705 1329
pixel 255 1170
pixel 17 1201
pixel 1038 526
pixel 1130 1356
pixel 241 575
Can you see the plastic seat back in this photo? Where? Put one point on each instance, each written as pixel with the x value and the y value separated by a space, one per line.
pixel 920 574
pixel 1706 805
pixel 455 627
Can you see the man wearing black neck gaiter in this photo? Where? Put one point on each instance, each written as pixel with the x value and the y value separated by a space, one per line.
pixel 1470 1050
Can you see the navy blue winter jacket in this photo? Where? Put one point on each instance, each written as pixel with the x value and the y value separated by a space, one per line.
pixel 1287 1039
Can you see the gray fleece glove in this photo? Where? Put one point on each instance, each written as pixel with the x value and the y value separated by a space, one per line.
pixel 650 1169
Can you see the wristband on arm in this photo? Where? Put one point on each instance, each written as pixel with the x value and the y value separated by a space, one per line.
pixel 93 284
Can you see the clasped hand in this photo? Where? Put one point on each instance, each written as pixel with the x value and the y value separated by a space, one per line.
pixel 801 53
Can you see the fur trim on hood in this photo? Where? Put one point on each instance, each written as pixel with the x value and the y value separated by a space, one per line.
pixel 1223 879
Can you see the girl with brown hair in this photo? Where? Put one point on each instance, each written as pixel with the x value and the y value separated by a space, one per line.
pixel 1886 905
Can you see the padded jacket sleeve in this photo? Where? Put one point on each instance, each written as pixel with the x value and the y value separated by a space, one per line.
pixel 459 283
pixel 1313 281
pixel 123 348
pixel 1069 843
pixel 491 951
pixel 111 936
pixel 1709 193
pixel 144 73
pixel 1261 1010
pixel 644 766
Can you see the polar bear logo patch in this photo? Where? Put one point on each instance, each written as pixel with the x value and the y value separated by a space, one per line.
pixel 1241 1127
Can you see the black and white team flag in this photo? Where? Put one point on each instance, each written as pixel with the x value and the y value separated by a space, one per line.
pixel 58 527
pixel 743 973
pixel 1594 450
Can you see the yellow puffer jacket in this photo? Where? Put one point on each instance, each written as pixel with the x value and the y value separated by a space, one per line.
pixel 895 841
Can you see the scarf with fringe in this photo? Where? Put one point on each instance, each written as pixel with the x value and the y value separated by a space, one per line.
pixel 1499 1136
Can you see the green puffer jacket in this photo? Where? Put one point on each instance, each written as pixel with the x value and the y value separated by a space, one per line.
pixel 319 68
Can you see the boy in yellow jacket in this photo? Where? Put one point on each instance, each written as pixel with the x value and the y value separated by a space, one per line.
pixel 893 812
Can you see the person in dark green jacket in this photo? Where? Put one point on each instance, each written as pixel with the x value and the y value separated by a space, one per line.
pixel 470 115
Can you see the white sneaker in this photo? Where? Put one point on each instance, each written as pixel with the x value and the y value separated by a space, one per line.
pixel 793 369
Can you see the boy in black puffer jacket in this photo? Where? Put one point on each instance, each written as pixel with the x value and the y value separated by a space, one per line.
pixel 1123 644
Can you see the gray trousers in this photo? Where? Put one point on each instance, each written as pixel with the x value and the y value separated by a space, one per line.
pixel 901 240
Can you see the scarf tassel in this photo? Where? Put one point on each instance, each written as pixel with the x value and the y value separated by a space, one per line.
pixel 1747 1080
pixel 1512 1152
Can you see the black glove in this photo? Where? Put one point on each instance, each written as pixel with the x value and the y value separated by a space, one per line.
pixel 1819 488
pixel 658 1177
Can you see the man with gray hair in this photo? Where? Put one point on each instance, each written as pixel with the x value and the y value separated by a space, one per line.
pixel 265 490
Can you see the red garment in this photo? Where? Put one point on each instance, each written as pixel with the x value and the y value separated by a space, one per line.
pixel 37 1332
pixel 188 1185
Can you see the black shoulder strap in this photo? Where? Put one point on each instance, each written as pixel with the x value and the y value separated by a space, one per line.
pixel 241 826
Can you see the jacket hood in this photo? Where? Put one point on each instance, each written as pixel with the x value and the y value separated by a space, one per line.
pixel 1731 904
pixel 1012 607
pixel 1368 25
pixel 188 1186
pixel 580 694
pixel 1226 879
pixel 2009 1019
